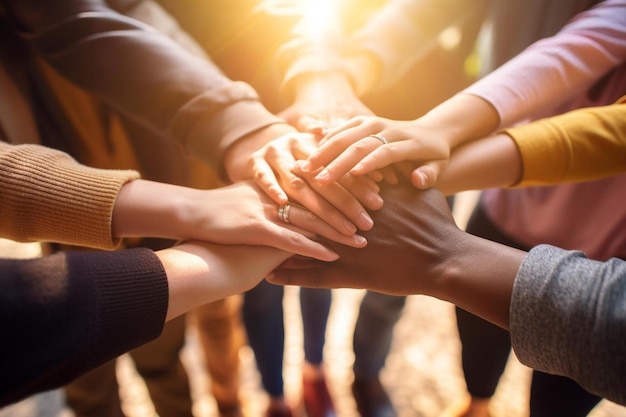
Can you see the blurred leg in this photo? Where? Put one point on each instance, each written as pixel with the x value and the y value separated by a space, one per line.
pixel 158 362
pixel 315 306
pixel 221 335
pixel 95 394
pixel 264 322
pixel 557 396
pixel 373 335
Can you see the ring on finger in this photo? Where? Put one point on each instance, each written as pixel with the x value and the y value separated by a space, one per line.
pixel 380 137
pixel 283 212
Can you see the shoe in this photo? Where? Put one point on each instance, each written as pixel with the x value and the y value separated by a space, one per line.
pixel 283 411
pixel 467 406
pixel 316 398
pixel 229 411
pixel 371 398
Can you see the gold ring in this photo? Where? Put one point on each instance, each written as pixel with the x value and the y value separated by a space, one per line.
pixel 380 138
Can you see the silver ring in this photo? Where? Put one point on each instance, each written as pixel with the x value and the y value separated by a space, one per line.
pixel 283 212
pixel 380 138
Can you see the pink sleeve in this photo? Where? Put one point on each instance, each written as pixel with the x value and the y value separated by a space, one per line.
pixel 558 69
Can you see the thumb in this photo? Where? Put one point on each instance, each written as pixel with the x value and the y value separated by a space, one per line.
pixel 426 175
pixel 311 277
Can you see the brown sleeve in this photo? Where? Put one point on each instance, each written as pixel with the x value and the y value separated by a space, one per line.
pixel 45 195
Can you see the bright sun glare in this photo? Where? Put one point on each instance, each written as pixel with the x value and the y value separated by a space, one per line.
pixel 319 17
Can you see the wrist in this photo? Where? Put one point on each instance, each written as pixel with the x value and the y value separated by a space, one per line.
pixel 462 118
pixel 152 209
pixel 314 84
pixel 478 276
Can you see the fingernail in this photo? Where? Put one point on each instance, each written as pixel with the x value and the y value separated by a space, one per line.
pixel 305 166
pixel 375 200
pixel 423 178
pixel 365 222
pixel 360 240
pixel 349 227
pixel 322 175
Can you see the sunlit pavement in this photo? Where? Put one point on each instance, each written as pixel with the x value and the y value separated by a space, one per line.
pixel 422 374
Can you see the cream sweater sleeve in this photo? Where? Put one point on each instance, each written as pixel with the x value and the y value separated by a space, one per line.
pixel 580 145
pixel 45 195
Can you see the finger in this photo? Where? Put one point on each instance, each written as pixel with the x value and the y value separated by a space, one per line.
pixel 349 124
pixel 426 175
pixel 365 190
pixel 309 222
pixel 340 199
pixel 299 190
pixel 333 144
pixel 348 159
pixel 382 157
pixel 375 175
pixel 389 174
pixel 267 181
pixel 326 203
pixel 311 124
pixel 274 160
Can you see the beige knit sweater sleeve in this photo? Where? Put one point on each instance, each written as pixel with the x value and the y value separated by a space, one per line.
pixel 47 196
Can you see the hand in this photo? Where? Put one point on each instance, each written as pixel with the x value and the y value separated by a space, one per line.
pixel 342 205
pixel 199 273
pixel 351 148
pixel 323 101
pixel 413 237
pixel 237 214
pixel 242 214
pixel 416 248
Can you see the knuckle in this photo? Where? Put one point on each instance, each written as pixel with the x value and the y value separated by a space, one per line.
pixel 295 183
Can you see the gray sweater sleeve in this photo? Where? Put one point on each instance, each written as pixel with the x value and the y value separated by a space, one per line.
pixel 568 317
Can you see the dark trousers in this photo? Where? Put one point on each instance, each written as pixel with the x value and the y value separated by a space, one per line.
pixel 486 348
pixel 264 322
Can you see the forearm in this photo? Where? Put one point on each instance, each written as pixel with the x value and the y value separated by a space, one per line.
pixel 153 209
pixel 462 118
pixel 202 273
pixel 580 145
pixel 71 312
pixel 555 70
pixel 479 277
pixel 494 161
pixel 155 81
pixel 567 318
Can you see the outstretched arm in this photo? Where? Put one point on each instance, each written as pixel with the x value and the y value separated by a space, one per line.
pixel 70 312
pixel 48 196
pixel 416 248
pixel 565 312
pixel 581 145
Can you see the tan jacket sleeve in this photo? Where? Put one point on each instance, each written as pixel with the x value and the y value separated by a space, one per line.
pixel 142 73
pixel 47 196
pixel 580 145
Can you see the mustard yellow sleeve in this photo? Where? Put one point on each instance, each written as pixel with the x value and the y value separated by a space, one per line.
pixel 580 145
pixel 47 196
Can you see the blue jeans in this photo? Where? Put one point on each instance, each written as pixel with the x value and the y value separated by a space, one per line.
pixel 373 332
pixel 264 322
